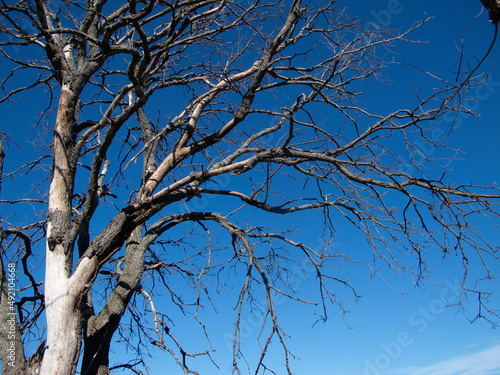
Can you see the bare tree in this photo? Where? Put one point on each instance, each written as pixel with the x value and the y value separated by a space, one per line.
pixel 267 95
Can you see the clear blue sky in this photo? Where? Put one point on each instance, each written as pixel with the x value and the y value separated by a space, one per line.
pixel 412 333
pixel 394 328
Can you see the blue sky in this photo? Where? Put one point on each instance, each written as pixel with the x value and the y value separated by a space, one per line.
pixel 412 333
pixel 394 328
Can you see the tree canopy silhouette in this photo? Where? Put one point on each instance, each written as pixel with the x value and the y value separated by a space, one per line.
pixel 174 137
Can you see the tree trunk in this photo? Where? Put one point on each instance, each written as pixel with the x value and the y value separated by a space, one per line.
pixel 99 330
pixel 63 326
pixel 62 293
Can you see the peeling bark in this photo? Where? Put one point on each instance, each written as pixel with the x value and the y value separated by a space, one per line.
pixel 61 295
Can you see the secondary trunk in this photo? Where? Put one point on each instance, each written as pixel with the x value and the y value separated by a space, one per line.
pixel 99 330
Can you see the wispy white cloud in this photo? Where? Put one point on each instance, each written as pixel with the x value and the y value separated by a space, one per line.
pixel 483 362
